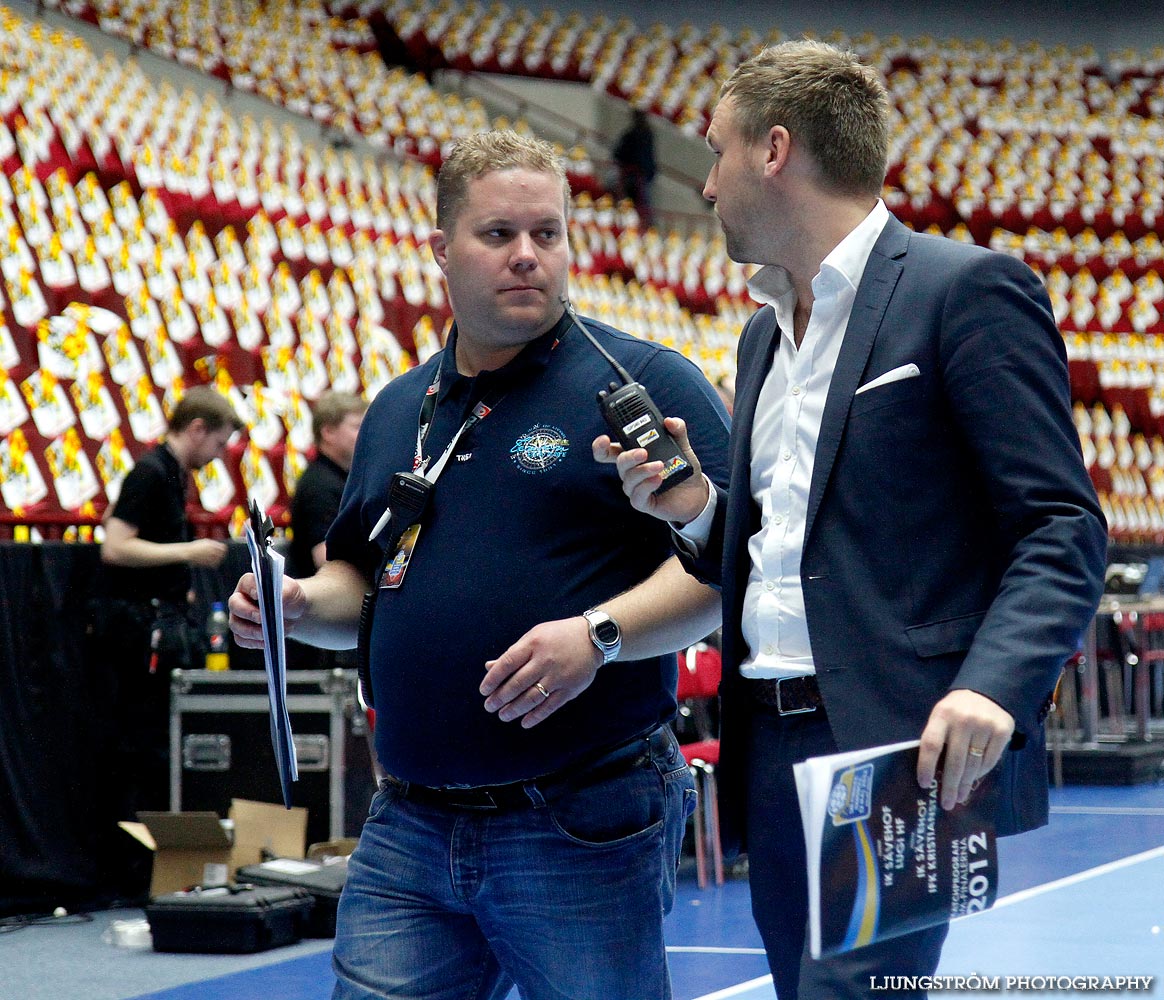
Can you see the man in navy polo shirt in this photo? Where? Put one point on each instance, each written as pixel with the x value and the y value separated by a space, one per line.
pixel 520 647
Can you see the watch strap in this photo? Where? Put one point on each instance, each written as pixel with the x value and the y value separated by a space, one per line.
pixel 605 633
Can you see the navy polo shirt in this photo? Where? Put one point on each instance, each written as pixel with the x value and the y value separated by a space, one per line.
pixel 523 527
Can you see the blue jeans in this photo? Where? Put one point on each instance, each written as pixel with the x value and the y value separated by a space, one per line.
pixel 565 898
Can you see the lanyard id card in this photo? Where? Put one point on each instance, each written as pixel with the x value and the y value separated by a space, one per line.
pixel 410 491
pixel 394 572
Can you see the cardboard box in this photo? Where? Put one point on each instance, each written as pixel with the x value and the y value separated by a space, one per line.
pixel 197 848
pixel 263 830
pixel 189 849
pixel 342 848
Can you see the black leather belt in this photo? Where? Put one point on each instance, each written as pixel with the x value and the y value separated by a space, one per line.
pixel 525 794
pixel 788 695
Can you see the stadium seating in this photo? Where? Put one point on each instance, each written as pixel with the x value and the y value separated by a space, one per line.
pixel 158 229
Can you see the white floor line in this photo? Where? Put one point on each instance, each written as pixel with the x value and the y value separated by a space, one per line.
pixel 693 949
pixel 1016 897
pixel 738 989
pixel 1090 873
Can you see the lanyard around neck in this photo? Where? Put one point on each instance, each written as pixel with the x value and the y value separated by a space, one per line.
pixel 484 406
pixel 481 409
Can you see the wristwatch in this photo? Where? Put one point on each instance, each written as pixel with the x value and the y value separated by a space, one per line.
pixel 604 633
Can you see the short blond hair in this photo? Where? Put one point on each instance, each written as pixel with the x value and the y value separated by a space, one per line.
pixel 485 152
pixel 828 99
pixel 332 409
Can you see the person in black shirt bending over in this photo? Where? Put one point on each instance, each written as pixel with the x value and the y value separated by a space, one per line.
pixel 145 631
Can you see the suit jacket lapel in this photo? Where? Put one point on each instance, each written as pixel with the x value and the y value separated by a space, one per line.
pixel 757 346
pixel 755 359
pixel 873 294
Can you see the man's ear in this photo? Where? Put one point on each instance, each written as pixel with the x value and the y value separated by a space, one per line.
pixel 776 150
pixel 440 249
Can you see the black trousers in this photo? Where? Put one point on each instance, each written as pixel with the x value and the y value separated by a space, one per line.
pixel 139 644
pixel 779 881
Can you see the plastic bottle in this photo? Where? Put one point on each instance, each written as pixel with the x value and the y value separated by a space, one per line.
pixel 218 638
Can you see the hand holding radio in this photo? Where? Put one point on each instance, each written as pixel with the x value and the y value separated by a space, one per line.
pixel 635 422
pixel 632 416
pixel 642 477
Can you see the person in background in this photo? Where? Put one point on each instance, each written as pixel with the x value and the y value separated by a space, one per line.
pixel 335 422
pixel 634 155
pixel 145 628
pixel 531 822
pixel 910 546
pixel 725 385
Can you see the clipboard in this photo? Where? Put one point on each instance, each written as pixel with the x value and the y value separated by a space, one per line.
pixel 267 565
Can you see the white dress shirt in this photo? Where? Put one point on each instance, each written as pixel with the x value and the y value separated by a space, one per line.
pixel 784 437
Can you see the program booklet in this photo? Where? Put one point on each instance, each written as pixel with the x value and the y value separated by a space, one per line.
pixel 884 858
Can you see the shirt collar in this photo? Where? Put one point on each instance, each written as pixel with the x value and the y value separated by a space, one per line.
pixel 533 357
pixel 170 460
pixel 843 267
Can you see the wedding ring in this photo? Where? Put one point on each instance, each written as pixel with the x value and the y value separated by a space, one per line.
pixel 546 694
pixel 975 752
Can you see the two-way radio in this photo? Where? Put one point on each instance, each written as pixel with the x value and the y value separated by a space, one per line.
pixel 407 497
pixel 633 418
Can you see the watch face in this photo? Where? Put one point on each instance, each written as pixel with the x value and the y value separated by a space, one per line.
pixel 607 632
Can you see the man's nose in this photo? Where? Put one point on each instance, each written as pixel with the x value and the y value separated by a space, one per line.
pixel 524 254
pixel 709 186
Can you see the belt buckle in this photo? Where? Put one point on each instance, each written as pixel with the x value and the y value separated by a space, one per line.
pixel 780 709
pixel 470 798
pixel 489 803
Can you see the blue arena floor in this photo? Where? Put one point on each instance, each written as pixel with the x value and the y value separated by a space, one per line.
pixel 1082 897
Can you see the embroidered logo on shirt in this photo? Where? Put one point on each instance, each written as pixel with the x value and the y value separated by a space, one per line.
pixel 540 448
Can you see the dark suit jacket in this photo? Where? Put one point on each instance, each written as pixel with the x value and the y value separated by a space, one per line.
pixel 953 538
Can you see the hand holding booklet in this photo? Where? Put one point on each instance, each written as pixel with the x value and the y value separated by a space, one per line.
pixel 267 565
pixel 884 858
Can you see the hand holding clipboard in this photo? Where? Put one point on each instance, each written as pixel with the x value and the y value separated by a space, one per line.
pixel 267 565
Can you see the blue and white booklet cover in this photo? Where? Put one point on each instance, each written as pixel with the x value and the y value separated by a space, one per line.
pixel 884 858
pixel 267 565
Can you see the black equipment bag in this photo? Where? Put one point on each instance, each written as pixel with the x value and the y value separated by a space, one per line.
pixel 324 882
pixel 235 920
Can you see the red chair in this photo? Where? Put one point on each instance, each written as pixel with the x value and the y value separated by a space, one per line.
pixel 700 668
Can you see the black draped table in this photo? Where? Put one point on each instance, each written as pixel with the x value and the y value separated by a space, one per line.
pixel 59 841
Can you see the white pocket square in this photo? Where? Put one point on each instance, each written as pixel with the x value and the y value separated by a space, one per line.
pixel 894 375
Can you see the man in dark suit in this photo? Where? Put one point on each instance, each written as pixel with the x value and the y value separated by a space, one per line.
pixel 910 545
